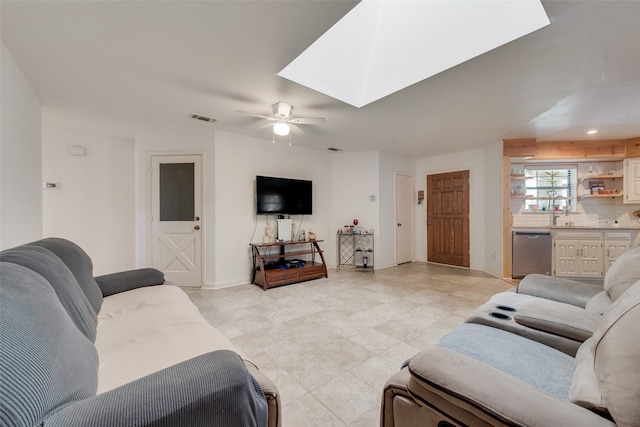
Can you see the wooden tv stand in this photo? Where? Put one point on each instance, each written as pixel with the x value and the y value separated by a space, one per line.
pixel 270 270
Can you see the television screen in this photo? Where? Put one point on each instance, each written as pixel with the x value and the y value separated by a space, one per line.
pixel 283 196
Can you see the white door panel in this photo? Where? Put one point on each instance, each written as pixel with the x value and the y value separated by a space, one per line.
pixel 404 219
pixel 176 212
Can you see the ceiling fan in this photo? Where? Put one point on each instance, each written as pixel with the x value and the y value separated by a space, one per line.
pixel 283 122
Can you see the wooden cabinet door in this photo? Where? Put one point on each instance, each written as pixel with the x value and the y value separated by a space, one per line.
pixel 448 218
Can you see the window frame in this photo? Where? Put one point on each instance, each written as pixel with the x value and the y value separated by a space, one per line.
pixel 566 193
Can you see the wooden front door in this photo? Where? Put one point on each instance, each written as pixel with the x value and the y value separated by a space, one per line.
pixel 448 218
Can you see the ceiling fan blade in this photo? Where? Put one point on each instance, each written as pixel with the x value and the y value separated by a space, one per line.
pixel 266 125
pixel 297 129
pixel 308 120
pixel 255 115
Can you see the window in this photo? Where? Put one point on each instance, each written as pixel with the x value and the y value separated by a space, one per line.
pixel 551 186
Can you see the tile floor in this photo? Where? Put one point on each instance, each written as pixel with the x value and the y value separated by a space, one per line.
pixel 329 345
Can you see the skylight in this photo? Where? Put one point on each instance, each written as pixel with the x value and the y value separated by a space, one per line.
pixel 383 46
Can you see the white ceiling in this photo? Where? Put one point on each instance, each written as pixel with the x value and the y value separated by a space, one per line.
pixel 118 67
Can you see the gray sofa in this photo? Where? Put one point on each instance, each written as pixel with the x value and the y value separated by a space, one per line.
pixel 117 350
pixel 480 375
pixel 559 312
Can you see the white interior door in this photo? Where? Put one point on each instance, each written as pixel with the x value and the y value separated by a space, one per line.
pixel 404 219
pixel 176 213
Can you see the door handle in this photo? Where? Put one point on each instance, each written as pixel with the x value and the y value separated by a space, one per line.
pixel 197 227
pixel 399 225
pixel 428 222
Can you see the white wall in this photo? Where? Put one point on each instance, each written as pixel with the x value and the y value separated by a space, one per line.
pixel 93 204
pixel 231 163
pixel 474 161
pixel 238 160
pixel 493 209
pixel 20 157
pixel 354 178
pixel 389 166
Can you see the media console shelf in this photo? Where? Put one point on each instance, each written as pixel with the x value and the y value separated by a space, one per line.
pixel 271 269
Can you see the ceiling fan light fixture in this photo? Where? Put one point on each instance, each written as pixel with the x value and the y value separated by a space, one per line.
pixel 281 128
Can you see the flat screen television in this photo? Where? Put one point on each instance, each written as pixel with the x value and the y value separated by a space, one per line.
pixel 283 196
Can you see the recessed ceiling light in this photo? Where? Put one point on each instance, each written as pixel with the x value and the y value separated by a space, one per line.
pixel 591 132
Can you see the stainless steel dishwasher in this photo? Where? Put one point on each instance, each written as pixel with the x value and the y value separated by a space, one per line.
pixel 531 253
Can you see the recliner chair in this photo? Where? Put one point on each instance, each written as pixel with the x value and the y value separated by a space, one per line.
pixel 558 312
pixel 483 376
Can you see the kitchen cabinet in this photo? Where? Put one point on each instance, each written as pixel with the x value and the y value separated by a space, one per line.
pixel 578 255
pixel 615 244
pixel 588 253
pixel 631 181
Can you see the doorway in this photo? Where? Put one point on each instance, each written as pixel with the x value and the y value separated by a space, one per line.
pixel 448 218
pixel 176 212
pixel 404 219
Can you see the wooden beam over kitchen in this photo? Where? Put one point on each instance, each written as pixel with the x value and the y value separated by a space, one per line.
pixel 633 147
pixel 552 150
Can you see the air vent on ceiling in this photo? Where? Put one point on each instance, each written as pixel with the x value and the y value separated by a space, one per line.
pixel 334 149
pixel 203 118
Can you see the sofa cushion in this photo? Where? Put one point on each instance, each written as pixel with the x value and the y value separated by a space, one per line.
pixel 599 303
pixel 123 281
pixel 585 385
pixel 566 321
pixel 558 289
pixel 624 272
pixel 45 362
pixel 145 330
pixel 66 287
pixel 80 265
pixel 616 350
pixel 542 367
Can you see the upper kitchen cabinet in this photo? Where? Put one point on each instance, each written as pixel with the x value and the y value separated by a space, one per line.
pixel 631 180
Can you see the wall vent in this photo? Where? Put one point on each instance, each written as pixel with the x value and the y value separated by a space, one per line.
pixel 203 118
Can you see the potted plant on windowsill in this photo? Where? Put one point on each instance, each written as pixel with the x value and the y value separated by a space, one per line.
pixel 552 177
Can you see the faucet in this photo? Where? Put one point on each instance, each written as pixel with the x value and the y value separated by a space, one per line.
pixel 554 213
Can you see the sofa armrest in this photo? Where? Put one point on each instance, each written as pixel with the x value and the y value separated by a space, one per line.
pixel 475 393
pixel 213 389
pixel 270 393
pixel 558 289
pixel 566 321
pixel 127 280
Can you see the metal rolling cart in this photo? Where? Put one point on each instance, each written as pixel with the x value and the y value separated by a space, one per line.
pixel 355 249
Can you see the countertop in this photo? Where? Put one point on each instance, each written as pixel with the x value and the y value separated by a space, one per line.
pixel 579 227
